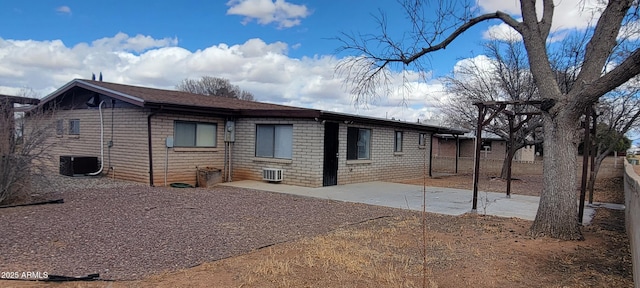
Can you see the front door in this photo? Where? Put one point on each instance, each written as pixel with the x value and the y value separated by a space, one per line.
pixel 330 168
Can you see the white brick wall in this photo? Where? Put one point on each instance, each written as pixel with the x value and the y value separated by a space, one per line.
pixel 129 154
pixel 385 164
pixel 182 162
pixel 305 167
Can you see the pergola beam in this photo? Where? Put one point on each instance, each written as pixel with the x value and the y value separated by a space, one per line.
pixel 497 107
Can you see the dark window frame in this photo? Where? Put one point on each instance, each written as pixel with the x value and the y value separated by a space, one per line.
pixel 422 139
pixel 74 126
pixel 398 143
pixel 273 153
pixel 353 139
pixel 59 127
pixel 193 143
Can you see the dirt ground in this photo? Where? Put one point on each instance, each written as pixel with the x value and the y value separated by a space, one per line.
pixel 460 251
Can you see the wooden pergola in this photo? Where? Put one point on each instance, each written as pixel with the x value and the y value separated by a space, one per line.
pixel 7 121
pixel 497 107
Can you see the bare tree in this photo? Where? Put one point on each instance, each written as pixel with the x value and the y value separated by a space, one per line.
pixel 504 77
pixel 619 113
pixel 561 109
pixel 214 86
pixel 24 147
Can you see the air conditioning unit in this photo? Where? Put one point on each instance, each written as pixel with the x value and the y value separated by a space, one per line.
pixel 272 174
pixel 78 165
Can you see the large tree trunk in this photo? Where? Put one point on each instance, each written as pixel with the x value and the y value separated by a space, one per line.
pixel 557 215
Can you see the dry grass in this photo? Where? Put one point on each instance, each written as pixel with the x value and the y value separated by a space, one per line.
pixel 462 251
pixel 345 255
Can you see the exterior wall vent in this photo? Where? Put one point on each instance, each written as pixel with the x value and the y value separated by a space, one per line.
pixel 272 174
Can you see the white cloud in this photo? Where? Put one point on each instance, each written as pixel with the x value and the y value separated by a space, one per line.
pixel 480 62
pixel 265 12
pixel 64 10
pixel 139 43
pixel 630 31
pixel 262 68
pixel 568 15
pixel 502 32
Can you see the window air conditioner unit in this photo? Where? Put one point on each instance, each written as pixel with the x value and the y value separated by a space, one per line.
pixel 272 174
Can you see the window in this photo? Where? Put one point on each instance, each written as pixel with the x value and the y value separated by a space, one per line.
pixel 358 143
pixel 194 134
pixel 274 141
pixel 397 144
pixel 486 145
pixel 74 127
pixel 59 127
pixel 422 139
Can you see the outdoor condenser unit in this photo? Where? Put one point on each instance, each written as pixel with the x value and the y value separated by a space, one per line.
pixel 78 165
pixel 272 174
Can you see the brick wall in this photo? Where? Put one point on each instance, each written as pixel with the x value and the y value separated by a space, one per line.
pixel 181 163
pixel 444 147
pixel 385 164
pixel 610 167
pixel 128 158
pixel 303 169
pixel 306 166
pixel 128 152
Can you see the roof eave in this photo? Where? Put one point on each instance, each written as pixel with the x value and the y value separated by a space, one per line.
pixel 190 109
pixel 95 88
pixel 348 119
pixel 289 113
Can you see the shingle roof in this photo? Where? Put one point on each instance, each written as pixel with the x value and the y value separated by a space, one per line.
pixel 171 97
pixel 184 101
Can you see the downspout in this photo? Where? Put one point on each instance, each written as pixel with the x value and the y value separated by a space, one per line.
pixel 151 144
pixel 110 144
pixel 101 141
pixel 431 154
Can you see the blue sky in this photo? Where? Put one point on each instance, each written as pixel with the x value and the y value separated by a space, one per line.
pixel 280 50
pixel 195 24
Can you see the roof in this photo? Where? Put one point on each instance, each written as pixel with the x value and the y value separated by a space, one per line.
pixel 184 101
pixel 471 135
pixel 18 100
pixel 350 118
pixel 179 100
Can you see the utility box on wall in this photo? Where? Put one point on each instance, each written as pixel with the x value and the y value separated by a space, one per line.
pixel 230 131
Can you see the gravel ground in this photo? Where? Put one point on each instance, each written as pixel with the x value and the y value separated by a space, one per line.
pixel 125 231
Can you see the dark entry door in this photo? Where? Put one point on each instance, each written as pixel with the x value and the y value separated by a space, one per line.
pixel 330 170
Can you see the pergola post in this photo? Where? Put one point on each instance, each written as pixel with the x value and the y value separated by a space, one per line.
pixel 586 148
pixel 476 163
pixel 509 154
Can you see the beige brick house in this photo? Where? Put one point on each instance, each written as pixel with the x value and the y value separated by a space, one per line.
pixel 493 147
pixel 163 136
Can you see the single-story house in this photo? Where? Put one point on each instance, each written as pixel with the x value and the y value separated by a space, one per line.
pixel 164 136
pixel 493 147
pixel 7 120
pixel 446 145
